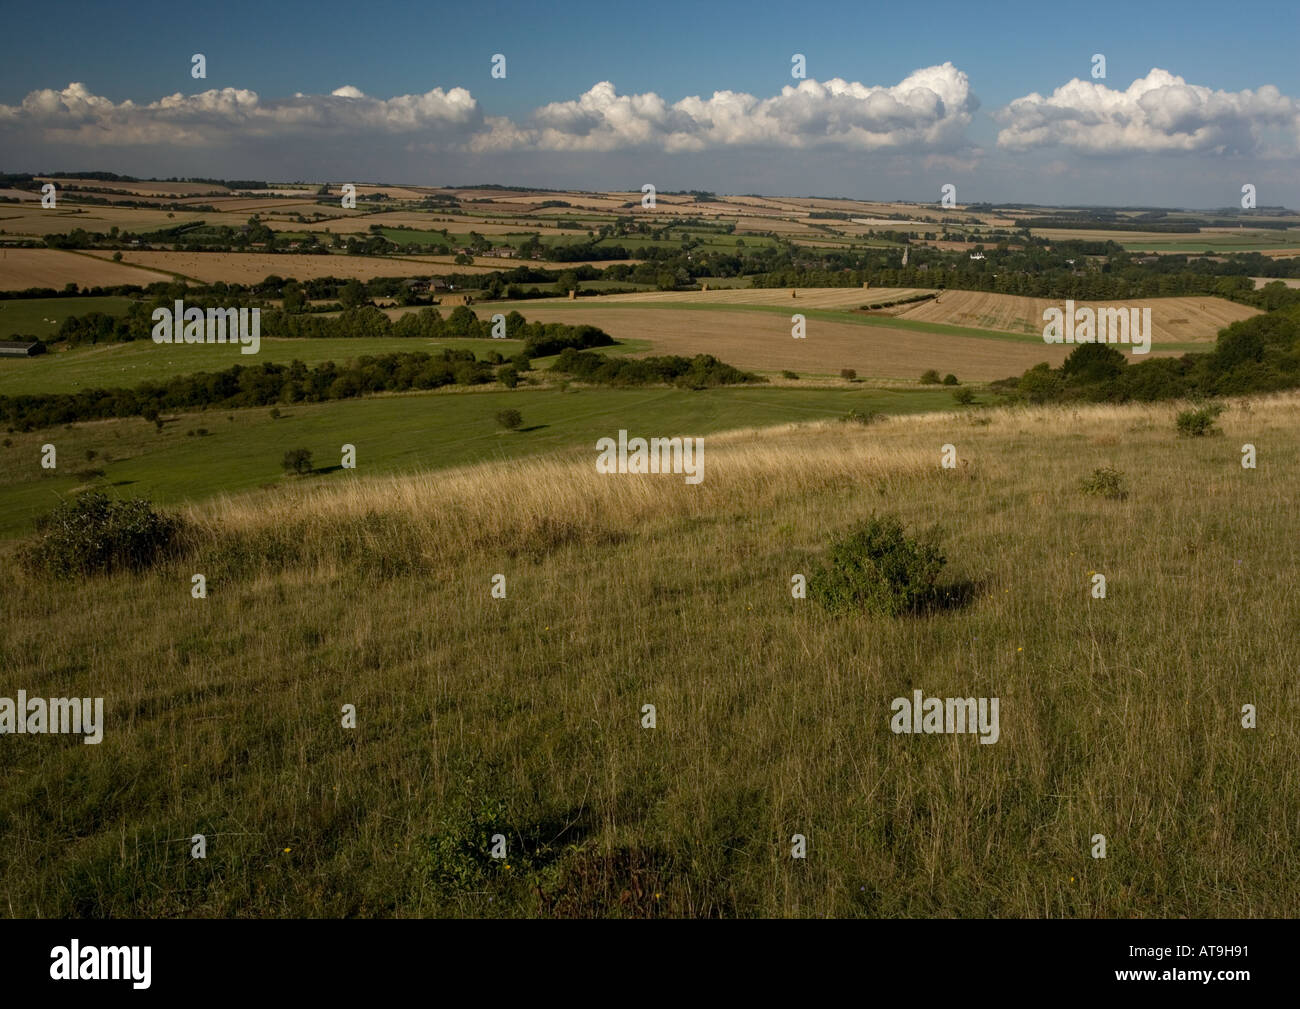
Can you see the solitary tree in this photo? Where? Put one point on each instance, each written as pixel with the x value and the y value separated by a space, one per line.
pixel 297 460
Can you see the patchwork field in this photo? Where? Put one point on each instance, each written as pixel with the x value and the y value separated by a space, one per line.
pixel 29 219
pixel 253 267
pixel 761 340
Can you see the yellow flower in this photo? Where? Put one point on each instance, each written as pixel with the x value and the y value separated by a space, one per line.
pixel 287 850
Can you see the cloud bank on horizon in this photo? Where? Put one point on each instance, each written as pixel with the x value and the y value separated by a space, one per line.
pixel 927 112
pixel 1079 142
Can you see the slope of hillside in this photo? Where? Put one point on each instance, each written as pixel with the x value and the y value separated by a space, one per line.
pixel 524 715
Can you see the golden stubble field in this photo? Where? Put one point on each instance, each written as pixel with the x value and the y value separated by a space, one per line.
pixel 761 341
pixel 1174 320
pixel 24 268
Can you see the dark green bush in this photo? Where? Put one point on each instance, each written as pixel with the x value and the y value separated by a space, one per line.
pixel 92 533
pixel 509 419
pixel 508 377
pixel 849 374
pixel 950 379
pixel 963 397
pixel 878 568
pixel 856 416
pixel 297 460
pixel 790 375
pixel 1107 483
pixel 930 377
pixel 1198 421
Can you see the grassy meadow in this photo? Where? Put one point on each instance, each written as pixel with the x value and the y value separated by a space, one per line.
pixel 521 716
pixel 197 455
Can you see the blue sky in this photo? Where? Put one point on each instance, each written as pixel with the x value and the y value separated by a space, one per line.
pixel 1006 51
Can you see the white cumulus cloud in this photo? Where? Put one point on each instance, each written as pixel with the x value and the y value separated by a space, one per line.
pixel 221 116
pixel 928 112
pixel 1157 113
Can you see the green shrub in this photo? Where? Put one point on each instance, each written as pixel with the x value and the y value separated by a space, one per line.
pixel 856 416
pixel 509 419
pixel 789 374
pixel 950 379
pixel 275 413
pixel 849 374
pixel 930 377
pixel 1107 483
pixel 964 397
pixel 92 533
pixel 878 568
pixel 508 377
pixel 297 460
pixel 1198 421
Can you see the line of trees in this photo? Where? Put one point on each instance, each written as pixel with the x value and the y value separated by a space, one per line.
pixel 263 384
pixel 703 371
pixel 1257 355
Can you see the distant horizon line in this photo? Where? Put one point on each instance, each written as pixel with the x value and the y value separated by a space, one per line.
pixel 87 176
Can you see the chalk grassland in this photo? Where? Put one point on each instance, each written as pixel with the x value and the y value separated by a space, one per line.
pixel 1285 281
pixel 243 449
pixel 521 716
pixel 1174 320
pixel 21 269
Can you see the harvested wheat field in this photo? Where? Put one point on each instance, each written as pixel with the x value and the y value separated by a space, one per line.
pixel 1173 320
pixel 31 219
pixel 253 267
pixel 24 268
pixel 761 341
pixel 160 189
pixel 805 297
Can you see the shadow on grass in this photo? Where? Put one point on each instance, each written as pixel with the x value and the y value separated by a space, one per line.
pixel 954 596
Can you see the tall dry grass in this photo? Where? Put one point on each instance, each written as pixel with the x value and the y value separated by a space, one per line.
pixel 522 715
